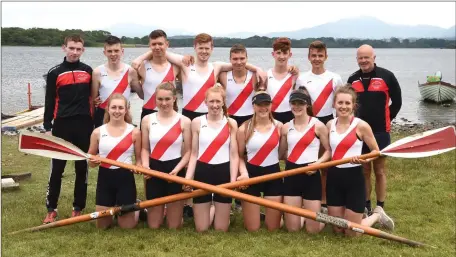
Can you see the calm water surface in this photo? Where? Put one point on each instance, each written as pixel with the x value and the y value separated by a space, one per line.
pixel 22 65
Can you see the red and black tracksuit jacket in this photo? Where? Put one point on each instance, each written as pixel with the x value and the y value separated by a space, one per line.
pixel 375 89
pixel 67 92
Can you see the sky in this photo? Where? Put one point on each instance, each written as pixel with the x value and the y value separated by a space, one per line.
pixel 219 18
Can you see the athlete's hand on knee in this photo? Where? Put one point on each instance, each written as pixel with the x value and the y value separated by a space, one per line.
pixel 243 176
pixel 187 188
pixel 294 70
pixel 188 60
pixel 311 172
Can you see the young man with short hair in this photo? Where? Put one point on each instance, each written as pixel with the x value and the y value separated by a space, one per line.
pixel 68 114
pixel 112 77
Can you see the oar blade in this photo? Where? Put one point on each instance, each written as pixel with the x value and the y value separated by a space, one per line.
pixel 424 144
pixel 49 146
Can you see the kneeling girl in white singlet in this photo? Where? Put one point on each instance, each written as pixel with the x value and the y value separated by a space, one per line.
pixel 260 137
pixel 117 140
pixel 300 142
pixel 166 142
pixel 214 159
pixel 345 188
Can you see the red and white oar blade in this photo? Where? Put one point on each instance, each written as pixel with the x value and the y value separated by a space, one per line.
pixel 49 146
pixel 424 144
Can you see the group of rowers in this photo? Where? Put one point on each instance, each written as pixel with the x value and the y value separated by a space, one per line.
pixel 237 122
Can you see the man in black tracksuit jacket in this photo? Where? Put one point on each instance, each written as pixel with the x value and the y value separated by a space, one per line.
pixel 68 104
pixel 375 87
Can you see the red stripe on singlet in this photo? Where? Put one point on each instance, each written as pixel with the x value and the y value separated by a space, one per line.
pixel 151 104
pixel 266 149
pixel 215 145
pixel 119 149
pixel 166 141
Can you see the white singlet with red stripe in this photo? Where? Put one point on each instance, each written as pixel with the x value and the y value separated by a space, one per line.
pixel 109 144
pixel 219 151
pixel 256 143
pixel 273 89
pixel 340 142
pixel 109 84
pixel 193 85
pixel 153 79
pixel 233 91
pixel 165 141
pixel 321 87
pixel 310 153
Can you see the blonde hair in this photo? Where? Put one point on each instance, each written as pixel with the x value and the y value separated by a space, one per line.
pixel 252 121
pixel 127 117
pixel 347 89
pixel 170 87
pixel 218 88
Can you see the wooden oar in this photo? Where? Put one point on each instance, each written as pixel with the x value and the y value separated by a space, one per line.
pixel 429 143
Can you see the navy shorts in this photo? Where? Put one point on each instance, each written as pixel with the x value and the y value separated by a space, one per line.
pixel 146 112
pixel 269 188
pixel 325 119
pixel 115 187
pixel 191 115
pixel 306 186
pixel 383 140
pixel 156 187
pixel 214 174
pixel 98 117
pixel 241 119
pixel 345 187
pixel 283 117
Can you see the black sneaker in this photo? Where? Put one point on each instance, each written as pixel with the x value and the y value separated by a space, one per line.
pixel 142 212
pixel 262 216
pixel 188 212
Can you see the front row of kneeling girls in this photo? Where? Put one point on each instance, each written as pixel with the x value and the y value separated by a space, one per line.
pixel 217 152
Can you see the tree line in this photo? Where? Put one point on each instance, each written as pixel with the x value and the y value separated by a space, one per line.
pixel 53 37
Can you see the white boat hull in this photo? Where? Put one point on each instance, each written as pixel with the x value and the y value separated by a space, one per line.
pixel 437 92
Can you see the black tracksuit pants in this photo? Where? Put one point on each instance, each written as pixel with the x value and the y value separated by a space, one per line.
pixel 77 130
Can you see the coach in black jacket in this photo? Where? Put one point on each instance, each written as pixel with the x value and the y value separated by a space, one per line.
pixel 376 86
pixel 68 104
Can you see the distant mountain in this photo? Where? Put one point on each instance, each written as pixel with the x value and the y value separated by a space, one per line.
pixel 360 27
pixel 137 30
pixel 366 27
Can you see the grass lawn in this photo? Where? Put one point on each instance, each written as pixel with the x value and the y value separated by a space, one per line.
pixel 421 200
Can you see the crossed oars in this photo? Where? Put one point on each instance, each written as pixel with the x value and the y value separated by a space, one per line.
pixel 420 145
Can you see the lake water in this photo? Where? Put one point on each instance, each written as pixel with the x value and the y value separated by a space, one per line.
pixel 23 65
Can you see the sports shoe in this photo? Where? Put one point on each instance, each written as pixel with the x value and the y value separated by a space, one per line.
pixel 75 213
pixel 50 217
pixel 324 210
pixel 262 216
pixel 188 212
pixel 237 207
pixel 385 221
pixel 366 213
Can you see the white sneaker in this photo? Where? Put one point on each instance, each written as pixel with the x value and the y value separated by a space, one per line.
pixel 385 221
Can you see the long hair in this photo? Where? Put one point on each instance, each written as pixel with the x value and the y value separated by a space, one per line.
pixel 347 89
pixel 170 87
pixel 253 121
pixel 218 88
pixel 127 117
pixel 304 90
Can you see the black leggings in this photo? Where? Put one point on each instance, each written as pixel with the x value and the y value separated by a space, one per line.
pixel 76 130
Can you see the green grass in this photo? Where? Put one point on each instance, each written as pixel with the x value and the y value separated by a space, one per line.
pixel 421 200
